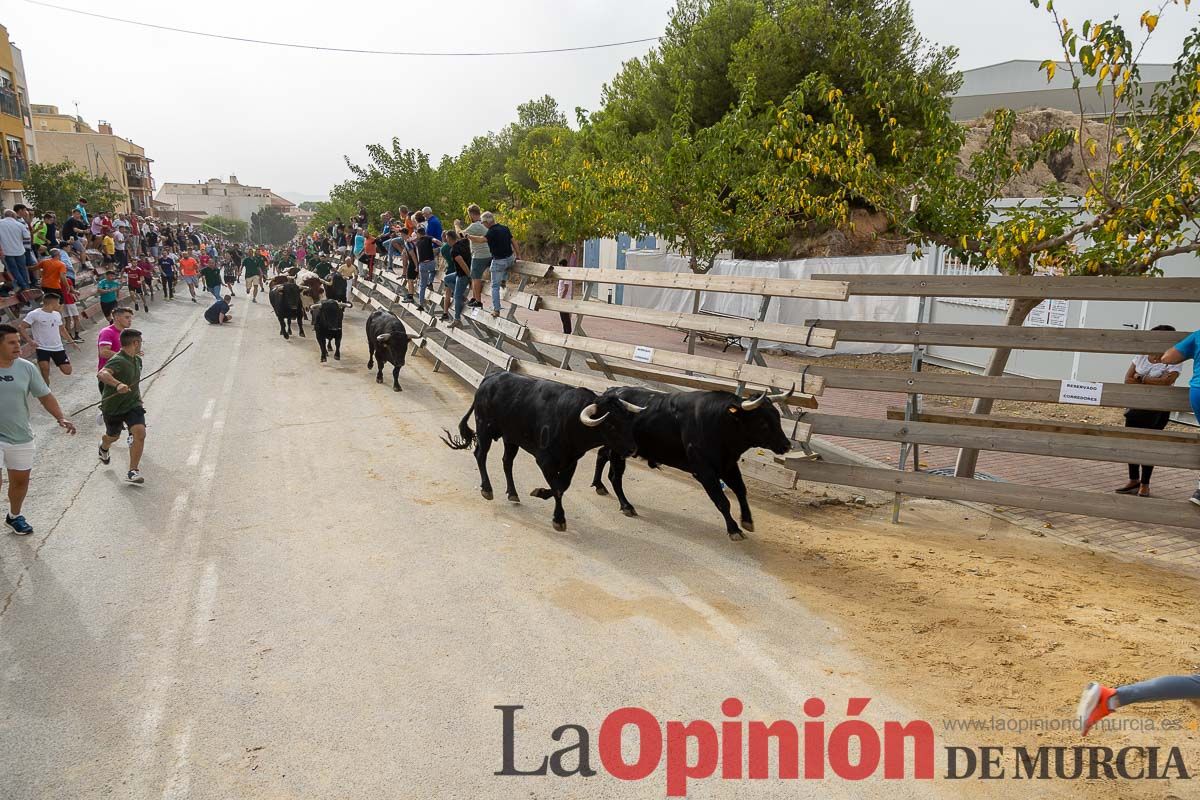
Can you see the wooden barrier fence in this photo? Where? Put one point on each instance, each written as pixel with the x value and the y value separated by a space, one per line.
pixel 486 343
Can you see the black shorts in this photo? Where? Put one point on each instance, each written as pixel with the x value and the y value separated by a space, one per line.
pixel 410 271
pixel 114 423
pixel 59 357
pixel 107 306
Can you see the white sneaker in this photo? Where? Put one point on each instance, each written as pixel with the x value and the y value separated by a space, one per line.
pixel 133 476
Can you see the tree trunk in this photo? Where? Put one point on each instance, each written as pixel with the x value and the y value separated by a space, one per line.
pixel 1017 311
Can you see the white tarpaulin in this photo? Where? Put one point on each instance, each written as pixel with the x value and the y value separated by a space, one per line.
pixel 785 310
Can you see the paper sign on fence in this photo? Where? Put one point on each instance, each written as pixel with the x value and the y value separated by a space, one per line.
pixel 1080 393
pixel 643 354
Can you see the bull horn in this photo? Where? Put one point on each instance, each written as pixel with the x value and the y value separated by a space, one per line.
pixel 587 416
pixel 631 408
pixel 781 397
pixel 383 337
pixel 750 405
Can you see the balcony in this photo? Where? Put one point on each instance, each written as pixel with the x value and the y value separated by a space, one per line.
pixel 135 181
pixel 9 102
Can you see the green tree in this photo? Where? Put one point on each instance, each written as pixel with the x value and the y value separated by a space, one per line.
pixel 235 230
pixel 310 205
pixel 271 226
pixel 57 187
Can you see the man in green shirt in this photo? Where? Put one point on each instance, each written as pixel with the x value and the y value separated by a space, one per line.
pixel 19 379
pixel 323 267
pixel 212 279
pixel 253 268
pixel 121 402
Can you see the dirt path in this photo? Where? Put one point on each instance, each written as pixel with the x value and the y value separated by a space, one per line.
pixel 968 617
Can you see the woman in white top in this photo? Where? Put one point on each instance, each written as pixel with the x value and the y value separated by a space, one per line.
pixel 1153 371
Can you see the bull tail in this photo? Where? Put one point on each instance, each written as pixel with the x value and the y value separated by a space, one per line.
pixel 466 436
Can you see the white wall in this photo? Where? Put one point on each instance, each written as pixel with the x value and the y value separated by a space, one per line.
pixel 789 311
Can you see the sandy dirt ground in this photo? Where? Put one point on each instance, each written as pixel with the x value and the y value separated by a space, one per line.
pixel 972 618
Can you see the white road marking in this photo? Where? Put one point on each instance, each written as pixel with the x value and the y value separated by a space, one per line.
pixel 197 449
pixel 208 409
pixel 179 784
pixel 206 598
pixel 786 681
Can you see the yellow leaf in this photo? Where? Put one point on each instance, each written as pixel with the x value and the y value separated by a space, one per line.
pixel 1150 21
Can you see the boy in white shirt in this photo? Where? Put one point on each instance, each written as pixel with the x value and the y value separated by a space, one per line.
pixel 45 326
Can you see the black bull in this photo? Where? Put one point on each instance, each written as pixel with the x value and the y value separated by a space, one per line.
pixel 285 300
pixel 327 324
pixel 556 424
pixel 704 433
pixel 387 340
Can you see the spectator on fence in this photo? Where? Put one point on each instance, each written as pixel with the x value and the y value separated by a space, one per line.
pixel 74 231
pixel 481 256
pixel 1184 351
pixel 433 225
pixel 81 209
pixel 1150 370
pixel 504 254
pixel 12 243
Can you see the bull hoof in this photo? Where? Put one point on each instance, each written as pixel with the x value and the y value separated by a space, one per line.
pixel 514 498
pixel 600 490
pixel 337 356
pixel 395 388
pixel 748 525
pixel 302 335
pixel 487 493
pixel 542 494
pixel 737 536
pixel 323 359
pixel 379 379
pixel 629 512
pixel 560 526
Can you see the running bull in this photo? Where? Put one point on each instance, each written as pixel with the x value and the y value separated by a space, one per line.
pixel 387 340
pixel 704 433
pixel 327 324
pixel 556 424
pixel 285 300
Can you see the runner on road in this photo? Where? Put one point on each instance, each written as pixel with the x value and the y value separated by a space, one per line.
pixel 255 268
pixel 45 326
pixel 18 380
pixel 189 268
pixel 166 268
pixel 108 286
pixel 121 402
pixel 212 279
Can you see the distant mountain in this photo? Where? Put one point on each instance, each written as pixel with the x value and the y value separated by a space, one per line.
pixel 301 197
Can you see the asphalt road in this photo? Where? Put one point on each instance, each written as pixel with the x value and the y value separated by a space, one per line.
pixel 309 599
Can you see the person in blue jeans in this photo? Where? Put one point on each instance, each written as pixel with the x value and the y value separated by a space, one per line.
pixel 1181 352
pixel 1098 701
pixel 504 254
pixel 425 246
pixel 458 272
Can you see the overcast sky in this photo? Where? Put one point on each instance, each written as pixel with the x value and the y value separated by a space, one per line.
pixel 283 118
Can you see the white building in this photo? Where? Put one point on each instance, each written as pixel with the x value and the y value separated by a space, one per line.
pixel 215 197
pixel 1019 84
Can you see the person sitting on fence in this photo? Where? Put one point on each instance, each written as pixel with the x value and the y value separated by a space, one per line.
pixel 1185 350
pixel 566 290
pixel 1152 371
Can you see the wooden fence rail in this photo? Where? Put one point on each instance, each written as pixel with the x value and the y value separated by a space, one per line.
pixel 1022 287
pixel 1073 340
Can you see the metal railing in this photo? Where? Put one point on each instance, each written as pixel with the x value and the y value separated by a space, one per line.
pixel 9 102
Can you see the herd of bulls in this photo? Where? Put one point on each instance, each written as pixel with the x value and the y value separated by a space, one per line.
pixel 702 433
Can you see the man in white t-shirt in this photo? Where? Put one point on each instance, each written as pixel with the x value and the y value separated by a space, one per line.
pixel 1149 370
pixel 45 326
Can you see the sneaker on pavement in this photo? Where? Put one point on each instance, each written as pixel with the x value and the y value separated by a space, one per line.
pixel 18 524
pixel 105 457
pixel 133 476
pixel 1093 706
